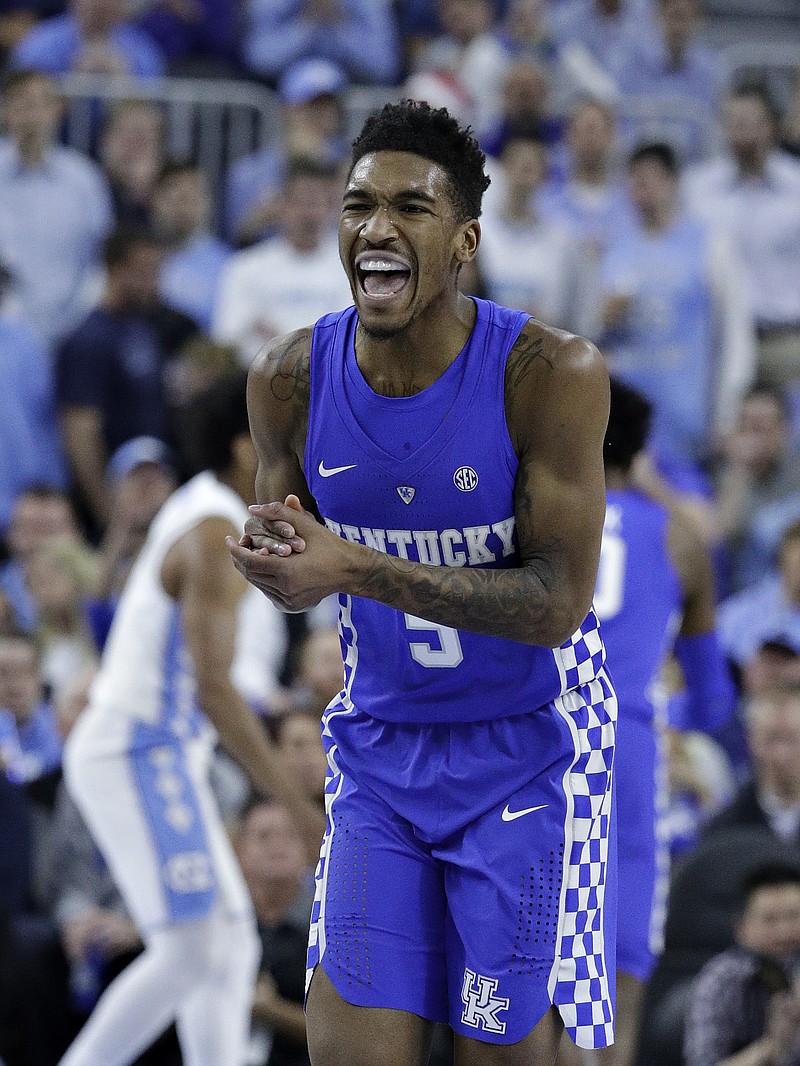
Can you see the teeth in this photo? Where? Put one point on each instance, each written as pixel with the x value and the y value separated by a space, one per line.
pixel 380 264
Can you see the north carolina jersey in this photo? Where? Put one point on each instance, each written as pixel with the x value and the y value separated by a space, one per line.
pixel 146 674
pixel 638 597
pixel 430 478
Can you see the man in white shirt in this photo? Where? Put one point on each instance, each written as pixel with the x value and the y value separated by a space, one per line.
pixel 754 190
pixel 288 280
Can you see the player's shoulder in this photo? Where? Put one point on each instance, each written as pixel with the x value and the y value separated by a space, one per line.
pixel 545 359
pixel 282 356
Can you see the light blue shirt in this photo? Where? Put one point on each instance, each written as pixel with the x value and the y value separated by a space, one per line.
pixel 54 45
pixel 190 277
pixel 750 618
pixel 29 749
pixel 364 42
pixel 611 40
pixel 30 447
pixel 52 220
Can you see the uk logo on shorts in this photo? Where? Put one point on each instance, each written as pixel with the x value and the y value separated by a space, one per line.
pixel 481 1005
pixel 465 479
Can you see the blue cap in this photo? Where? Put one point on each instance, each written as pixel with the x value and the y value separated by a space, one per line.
pixel 137 452
pixel 309 78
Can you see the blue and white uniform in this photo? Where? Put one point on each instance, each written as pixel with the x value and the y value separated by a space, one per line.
pixel 468 775
pixel 137 760
pixel 639 601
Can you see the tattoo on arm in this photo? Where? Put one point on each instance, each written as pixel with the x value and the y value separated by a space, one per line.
pixel 516 604
pixel 524 353
pixel 291 376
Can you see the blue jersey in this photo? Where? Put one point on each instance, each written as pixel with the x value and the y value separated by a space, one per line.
pixel 638 598
pixel 429 478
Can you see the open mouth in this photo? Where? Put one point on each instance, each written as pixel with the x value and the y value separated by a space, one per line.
pixel 382 277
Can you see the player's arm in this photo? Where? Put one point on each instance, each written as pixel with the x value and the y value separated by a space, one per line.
pixel 557 409
pixel 198 574
pixel 710 693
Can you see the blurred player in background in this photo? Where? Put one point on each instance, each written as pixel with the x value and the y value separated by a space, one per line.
pixel 137 763
pixel 655 593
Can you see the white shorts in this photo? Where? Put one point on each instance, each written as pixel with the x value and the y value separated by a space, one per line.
pixel 151 811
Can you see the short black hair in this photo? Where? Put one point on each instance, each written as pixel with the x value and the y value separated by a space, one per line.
pixel 657 152
pixel 772 392
pixel 751 89
pixel 119 242
pixel 173 168
pixel 212 421
pixel 15 79
pixel 628 426
pixel 431 132
pixel 774 874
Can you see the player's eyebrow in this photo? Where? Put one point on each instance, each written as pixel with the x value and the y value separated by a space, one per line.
pixel 403 196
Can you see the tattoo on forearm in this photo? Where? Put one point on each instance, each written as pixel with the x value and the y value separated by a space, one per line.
pixel 524 353
pixel 517 604
pixel 291 377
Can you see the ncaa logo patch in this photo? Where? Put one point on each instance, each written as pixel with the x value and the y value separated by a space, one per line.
pixel 406 493
pixel 465 479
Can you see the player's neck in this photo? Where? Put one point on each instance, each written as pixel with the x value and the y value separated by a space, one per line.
pixel 409 361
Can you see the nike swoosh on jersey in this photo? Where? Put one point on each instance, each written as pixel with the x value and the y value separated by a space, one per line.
pixel 510 816
pixel 325 472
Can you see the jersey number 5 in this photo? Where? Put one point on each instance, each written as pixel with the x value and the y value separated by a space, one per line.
pixel 448 653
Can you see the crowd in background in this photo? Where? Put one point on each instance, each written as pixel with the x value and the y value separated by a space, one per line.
pixel 643 195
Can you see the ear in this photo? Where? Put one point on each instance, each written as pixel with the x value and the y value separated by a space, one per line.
pixel 467 241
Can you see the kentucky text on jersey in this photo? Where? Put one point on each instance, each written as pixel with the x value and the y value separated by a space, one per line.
pixel 469 546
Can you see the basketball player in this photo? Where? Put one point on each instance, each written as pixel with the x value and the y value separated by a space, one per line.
pixel 655 593
pixel 136 765
pixel 453 449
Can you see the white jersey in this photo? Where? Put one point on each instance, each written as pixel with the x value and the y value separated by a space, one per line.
pixel 146 676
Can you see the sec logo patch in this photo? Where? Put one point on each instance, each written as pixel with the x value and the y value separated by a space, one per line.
pixel 465 479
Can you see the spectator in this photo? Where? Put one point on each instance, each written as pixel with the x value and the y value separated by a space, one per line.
pixel 319 668
pixel 139 477
pixel 770 799
pixel 526 260
pixel 132 154
pixel 47 190
pixel 297 736
pixel 30 447
pixel 598 39
pixel 775 663
pixel 61 575
pixel 469 52
pixel 30 744
pixel 273 861
pixel 196 39
pixel 110 372
pixel 673 66
pixel 588 195
pixel 312 92
pixel 525 100
pixel 91 37
pixel 745 1007
pixel 754 189
pixel 288 280
pixel 40 514
pixel 675 325
pixel 770 607
pixel 194 259
pixel 700 782
pixel 359 35
pixel 758 492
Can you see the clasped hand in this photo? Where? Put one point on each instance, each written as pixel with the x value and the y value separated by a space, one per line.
pixel 288 555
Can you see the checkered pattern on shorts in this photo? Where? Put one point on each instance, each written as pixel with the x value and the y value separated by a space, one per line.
pixel 580 983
